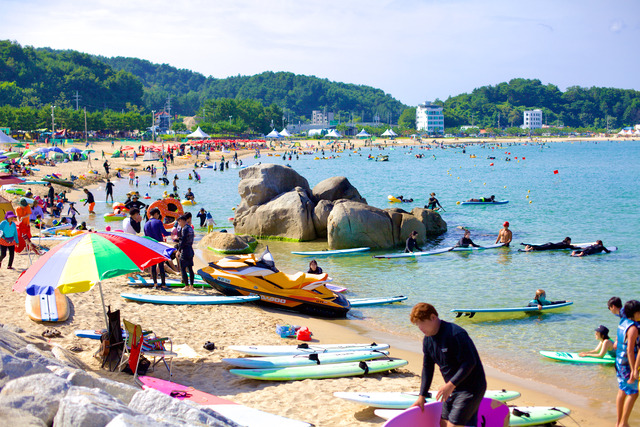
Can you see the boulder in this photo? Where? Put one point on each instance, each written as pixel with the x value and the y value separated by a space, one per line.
pixel 336 188
pixel 289 215
pixel 68 358
pixel 353 224
pixel 88 407
pixel 261 183
pixel 10 342
pixel 228 243
pixel 320 215
pixel 19 418
pixel 12 367
pixel 396 221
pixel 120 391
pixel 39 394
pixel 46 358
pixel 433 222
pixel 162 407
pixel 410 223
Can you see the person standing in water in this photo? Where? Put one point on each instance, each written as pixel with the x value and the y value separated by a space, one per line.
pixel 313 267
pixel 627 362
pixel 466 241
pixel 505 235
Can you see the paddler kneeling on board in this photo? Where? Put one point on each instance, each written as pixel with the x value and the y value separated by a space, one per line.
pixel 591 250
pixel 412 243
pixel 466 241
pixel 450 347
pixel 541 300
pixel 605 346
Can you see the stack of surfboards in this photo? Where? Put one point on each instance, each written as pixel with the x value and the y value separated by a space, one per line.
pixel 393 404
pixel 289 363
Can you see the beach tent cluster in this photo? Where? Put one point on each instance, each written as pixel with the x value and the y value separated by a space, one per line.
pixel 275 134
pixel 629 131
pixel 390 133
pixel 6 139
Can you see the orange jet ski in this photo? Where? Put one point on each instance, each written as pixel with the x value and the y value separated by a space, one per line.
pixel 303 292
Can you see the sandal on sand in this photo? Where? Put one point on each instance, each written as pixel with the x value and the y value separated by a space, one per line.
pixel 51 333
pixel 209 346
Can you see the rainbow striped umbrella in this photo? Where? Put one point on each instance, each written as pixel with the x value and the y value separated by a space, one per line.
pixel 79 263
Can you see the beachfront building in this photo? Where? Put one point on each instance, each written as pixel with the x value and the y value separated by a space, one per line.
pixel 532 119
pixel 430 118
pixel 319 117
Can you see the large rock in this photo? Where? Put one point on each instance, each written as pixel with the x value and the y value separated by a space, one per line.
pixel 396 222
pixel 88 407
pixel 228 243
pixel 336 188
pixel 140 420
pixel 39 394
pixel 289 215
pixel 261 183
pixel 409 224
pixel 12 367
pixel 164 408
pixel 433 222
pixel 46 358
pixel 120 391
pixel 10 342
pixel 19 418
pixel 353 224
pixel 320 215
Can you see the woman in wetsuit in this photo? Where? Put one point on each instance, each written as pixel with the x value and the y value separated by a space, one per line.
pixel 433 202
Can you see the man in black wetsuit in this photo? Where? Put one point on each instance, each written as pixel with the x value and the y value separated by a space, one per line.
pixel 109 187
pixel 412 243
pixel 590 250
pixel 565 244
pixel 134 203
pixel 450 347
pixel 433 202
pixel 466 241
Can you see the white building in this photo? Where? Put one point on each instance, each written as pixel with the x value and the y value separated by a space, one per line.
pixel 430 118
pixel 320 118
pixel 532 119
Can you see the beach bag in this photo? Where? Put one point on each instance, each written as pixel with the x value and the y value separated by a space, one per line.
pixel 105 346
pixel 303 334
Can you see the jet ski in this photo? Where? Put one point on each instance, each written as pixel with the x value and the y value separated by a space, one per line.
pixel 250 275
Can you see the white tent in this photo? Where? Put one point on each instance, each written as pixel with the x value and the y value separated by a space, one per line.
pixel 284 133
pixel 333 134
pixel 363 134
pixel 6 139
pixel 198 133
pixel 150 155
pixel 273 134
pixel 389 132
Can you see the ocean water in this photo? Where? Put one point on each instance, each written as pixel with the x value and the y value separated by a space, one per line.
pixel 594 195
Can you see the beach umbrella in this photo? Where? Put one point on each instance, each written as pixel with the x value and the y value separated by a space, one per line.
pixel 89 258
pixel 56 150
pixel 73 150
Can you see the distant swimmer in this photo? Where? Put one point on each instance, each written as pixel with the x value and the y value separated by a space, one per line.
pixel 505 235
pixel 466 241
pixel 402 199
pixel 590 250
pixel 433 204
pixel 484 199
pixel 412 243
pixel 565 244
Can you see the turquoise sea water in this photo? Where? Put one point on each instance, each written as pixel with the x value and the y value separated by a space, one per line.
pixel 593 196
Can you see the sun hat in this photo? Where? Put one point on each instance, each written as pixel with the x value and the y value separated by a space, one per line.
pixel 23 202
pixel 9 214
pixel 603 330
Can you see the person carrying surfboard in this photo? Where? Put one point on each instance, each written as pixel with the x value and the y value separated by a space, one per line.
pixel 605 346
pixel 450 347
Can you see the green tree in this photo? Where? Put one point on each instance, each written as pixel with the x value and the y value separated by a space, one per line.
pixel 407 119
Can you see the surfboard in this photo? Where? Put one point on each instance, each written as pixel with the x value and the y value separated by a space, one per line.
pixel 532 415
pixel 303 360
pixel 400 400
pixel 47 308
pixel 338 370
pixel 291 350
pixel 365 302
pixel 332 252
pixel 188 299
pixel 470 312
pixel 414 417
pixel 243 415
pixel 481 248
pixel 169 282
pixel 575 358
pixel 414 254
pixel 497 202
pixel 335 288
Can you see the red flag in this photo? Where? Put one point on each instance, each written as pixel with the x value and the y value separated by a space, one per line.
pixel 555 172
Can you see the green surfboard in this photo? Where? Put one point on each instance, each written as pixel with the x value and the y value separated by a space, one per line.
pixel 574 358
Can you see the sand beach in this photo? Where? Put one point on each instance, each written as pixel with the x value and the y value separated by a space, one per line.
pixel 191 326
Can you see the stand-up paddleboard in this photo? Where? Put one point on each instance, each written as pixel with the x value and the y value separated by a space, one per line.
pixel 47 308
pixel 338 370
pixel 496 202
pixel 531 415
pixel 241 414
pixel 169 282
pixel 575 358
pixel 470 312
pixel 399 400
pixel 304 360
pixel 366 302
pixel 415 254
pixel 414 417
pixel 188 299
pixel 332 252
pixel 292 350
pixel 480 248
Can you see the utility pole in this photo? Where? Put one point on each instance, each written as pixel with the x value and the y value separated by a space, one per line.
pixel 77 97
pixel 53 123
pixel 169 110
pixel 153 125
pixel 230 120
pixel 498 120
pixel 85 125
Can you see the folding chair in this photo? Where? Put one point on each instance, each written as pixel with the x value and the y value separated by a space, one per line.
pixel 146 343
pixel 114 347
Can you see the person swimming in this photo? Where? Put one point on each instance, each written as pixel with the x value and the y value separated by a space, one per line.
pixel 540 300
pixel 313 267
pixel 484 199
pixel 565 244
pixel 604 347
pixel 591 250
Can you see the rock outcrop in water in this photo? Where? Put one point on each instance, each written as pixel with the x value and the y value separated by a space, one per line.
pixel 277 201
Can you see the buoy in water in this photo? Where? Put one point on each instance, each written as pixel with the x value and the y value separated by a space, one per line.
pixel 529 201
pixel 505 186
pixel 457 203
pixel 490 164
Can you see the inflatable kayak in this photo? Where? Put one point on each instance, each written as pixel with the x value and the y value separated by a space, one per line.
pixel 400 400
pixel 470 312
pixel 332 252
pixel 575 358
pixel 188 202
pixel 497 202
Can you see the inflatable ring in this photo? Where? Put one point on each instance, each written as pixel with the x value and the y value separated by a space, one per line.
pixel 114 217
pixel 188 202
pixel 119 206
pixel 170 210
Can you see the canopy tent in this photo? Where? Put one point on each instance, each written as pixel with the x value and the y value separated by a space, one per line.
pixel 333 134
pixel 284 133
pixel 6 139
pixel 363 134
pixel 274 134
pixel 150 155
pixel 198 133
pixel 389 132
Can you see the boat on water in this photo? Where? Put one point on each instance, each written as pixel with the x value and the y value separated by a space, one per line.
pixel 248 275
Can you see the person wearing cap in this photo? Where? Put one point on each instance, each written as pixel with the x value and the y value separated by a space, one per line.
pixel 135 203
pixel 505 235
pixel 604 347
pixel 91 201
pixel 433 203
pixel 8 237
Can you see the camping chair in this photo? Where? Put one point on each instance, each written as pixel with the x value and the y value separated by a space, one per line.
pixel 112 345
pixel 140 343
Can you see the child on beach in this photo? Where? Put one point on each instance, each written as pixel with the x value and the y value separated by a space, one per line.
pixel 605 346
pixel 627 362
pixel 210 222
pixel 541 300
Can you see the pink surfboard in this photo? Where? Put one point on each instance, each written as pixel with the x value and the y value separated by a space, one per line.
pixel 493 413
pixel 416 417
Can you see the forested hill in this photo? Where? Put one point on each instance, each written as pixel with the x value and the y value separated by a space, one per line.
pixel 295 93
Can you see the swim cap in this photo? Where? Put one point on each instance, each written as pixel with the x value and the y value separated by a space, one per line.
pixel 506 223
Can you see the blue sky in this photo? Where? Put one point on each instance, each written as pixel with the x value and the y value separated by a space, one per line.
pixel 415 50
